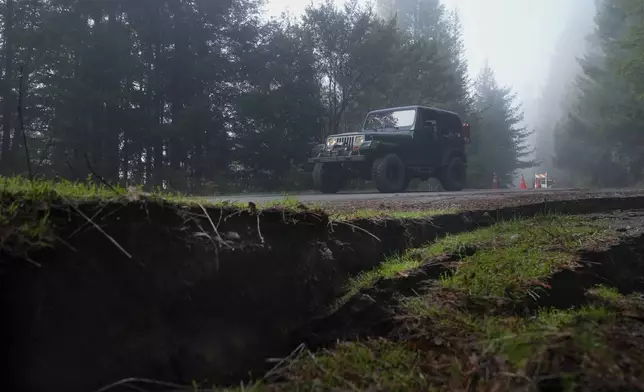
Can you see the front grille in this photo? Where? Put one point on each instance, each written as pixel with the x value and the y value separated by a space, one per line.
pixel 348 140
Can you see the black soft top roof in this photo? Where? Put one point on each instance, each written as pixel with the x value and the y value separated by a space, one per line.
pixel 414 107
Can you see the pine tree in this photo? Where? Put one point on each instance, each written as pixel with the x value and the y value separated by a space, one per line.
pixel 499 142
pixel 192 95
pixel 604 120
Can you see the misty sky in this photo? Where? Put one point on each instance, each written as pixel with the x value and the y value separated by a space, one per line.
pixel 515 36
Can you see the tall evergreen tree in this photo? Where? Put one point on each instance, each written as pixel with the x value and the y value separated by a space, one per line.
pixel 555 96
pixel 604 120
pixel 499 143
pixel 203 95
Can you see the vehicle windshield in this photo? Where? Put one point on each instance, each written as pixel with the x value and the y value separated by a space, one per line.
pixel 393 119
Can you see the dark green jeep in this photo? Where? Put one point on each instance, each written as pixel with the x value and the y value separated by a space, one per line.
pixel 395 146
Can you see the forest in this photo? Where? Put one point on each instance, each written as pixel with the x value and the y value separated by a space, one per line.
pixel 203 96
pixel 598 131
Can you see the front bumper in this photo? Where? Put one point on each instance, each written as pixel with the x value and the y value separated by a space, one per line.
pixel 322 154
pixel 337 158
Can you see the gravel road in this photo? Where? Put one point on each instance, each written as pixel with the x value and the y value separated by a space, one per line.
pixel 411 201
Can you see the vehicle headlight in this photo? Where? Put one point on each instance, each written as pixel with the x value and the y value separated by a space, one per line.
pixel 330 142
pixel 358 140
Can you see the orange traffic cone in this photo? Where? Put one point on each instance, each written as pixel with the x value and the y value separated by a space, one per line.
pixel 495 181
pixel 523 184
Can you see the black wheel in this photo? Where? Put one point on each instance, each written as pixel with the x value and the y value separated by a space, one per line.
pixel 327 178
pixel 452 177
pixel 388 173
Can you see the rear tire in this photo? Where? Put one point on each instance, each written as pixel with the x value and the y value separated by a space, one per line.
pixel 388 174
pixel 453 176
pixel 327 178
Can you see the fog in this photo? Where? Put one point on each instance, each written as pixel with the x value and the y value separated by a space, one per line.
pixel 531 45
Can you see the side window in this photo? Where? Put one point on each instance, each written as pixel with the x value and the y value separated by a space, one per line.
pixel 450 125
pixel 442 124
pixel 429 120
pixel 430 127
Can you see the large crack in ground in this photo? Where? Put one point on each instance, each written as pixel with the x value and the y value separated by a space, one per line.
pixel 600 286
pixel 196 303
pixel 369 312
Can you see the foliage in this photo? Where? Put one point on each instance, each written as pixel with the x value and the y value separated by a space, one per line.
pixel 208 97
pixel 499 143
pixel 510 255
pixel 600 139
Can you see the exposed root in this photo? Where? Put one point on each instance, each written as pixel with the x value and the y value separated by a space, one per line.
pixel 212 224
pixel 132 381
pixel 259 231
pixel 355 227
pixel 100 229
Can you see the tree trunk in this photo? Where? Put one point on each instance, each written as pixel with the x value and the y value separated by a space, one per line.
pixel 7 93
pixel 112 117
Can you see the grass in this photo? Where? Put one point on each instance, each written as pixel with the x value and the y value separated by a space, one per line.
pixel 455 350
pixel 24 208
pixel 90 190
pixel 459 334
pixel 511 256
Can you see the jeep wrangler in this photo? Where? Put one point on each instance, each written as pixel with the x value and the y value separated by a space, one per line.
pixel 394 146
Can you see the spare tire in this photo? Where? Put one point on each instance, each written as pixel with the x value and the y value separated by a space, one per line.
pixel 327 178
pixel 388 174
pixel 453 176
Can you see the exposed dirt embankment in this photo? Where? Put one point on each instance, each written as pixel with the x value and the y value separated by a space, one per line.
pixel 152 289
pixel 552 303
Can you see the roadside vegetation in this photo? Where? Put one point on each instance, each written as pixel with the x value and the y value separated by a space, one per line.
pixel 510 255
pixel 589 117
pixel 25 208
pixel 20 196
pixel 470 311
pixel 480 325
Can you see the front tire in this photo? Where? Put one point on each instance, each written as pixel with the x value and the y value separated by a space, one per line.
pixel 388 174
pixel 327 178
pixel 453 176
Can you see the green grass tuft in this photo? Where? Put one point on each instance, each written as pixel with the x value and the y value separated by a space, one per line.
pixel 606 293
pixel 511 256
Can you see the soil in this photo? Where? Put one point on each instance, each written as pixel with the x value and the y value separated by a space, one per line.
pixel 374 313
pixel 163 291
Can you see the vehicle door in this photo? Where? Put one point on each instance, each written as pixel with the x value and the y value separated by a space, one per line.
pixel 425 136
pixel 449 135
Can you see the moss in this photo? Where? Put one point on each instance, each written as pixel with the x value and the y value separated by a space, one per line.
pixel 515 257
pixel 511 258
pixel 606 293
